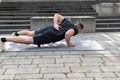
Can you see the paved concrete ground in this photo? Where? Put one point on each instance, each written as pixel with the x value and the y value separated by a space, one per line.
pixel 66 65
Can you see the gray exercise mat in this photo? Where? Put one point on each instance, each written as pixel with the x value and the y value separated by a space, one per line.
pixel 81 45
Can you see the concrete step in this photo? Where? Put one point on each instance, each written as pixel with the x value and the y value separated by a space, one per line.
pixel 48 11
pixel 9 31
pixel 108 25
pixel 55 7
pixel 49 3
pixel 15 17
pixel 43 6
pixel 107 20
pixel 43 0
pixel 48 14
pixel 108 17
pixel 116 29
pixel 43 9
pixel 14 21
pixel 15 26
pixel 106 1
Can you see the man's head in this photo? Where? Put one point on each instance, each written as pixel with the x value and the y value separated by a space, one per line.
pixel 79 26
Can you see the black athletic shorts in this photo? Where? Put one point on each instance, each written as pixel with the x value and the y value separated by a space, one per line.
pixel 43 36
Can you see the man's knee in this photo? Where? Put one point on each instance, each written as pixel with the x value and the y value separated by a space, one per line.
pixel 31 33
pixel 29 40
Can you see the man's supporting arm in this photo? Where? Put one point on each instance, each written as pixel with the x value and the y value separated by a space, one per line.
pixel 68 36
pixel 57 18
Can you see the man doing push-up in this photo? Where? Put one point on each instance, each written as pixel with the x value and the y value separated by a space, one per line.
pixel 62 29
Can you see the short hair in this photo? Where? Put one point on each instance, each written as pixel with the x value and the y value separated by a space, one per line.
pixel 81 25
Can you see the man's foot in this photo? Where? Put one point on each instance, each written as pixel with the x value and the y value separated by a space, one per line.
pixel 2 47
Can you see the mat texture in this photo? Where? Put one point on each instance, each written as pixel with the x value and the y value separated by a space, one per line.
pixel 81 45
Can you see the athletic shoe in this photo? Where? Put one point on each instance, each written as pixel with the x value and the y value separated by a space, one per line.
pixel 1 46
pixel 14 34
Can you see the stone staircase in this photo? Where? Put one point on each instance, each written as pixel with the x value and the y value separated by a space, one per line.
pixel 15 16
pixel 107 1
pixel 108 24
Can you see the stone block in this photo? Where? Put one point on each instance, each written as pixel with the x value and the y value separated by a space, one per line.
pixel 51 65
pixel 7 77
pixel 54 76
pixel 85 69
pixel 17 61
pixel 43 61
pixel 22 71
pixel 92 60
pixel 75 75
pixel 118 8
pixel 111 69
pixel 55 70
pixel 67 60
pixel 2 70
pixel 100 75
pixel 88 22
pixel 72 64
pixel 29 76
pixel 107 9
pixel 9 66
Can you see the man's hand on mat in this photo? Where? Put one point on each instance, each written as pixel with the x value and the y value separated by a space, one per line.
pixel 71 45
pixel 57 27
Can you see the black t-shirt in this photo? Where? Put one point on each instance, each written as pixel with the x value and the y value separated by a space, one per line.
pixel 60 34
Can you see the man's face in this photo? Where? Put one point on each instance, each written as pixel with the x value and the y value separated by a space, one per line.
pixel 79 30
pixel 78 27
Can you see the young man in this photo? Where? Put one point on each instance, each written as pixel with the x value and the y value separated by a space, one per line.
pixel 62 29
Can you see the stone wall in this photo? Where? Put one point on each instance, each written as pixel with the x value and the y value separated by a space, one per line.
pixel 108 9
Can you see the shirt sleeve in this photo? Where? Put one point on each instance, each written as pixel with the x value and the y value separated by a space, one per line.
pixel 69 25
pixel 76 31
pixel 65 23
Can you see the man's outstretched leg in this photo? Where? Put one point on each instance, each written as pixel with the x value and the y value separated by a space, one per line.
pixel 24 32
pixel 22 40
